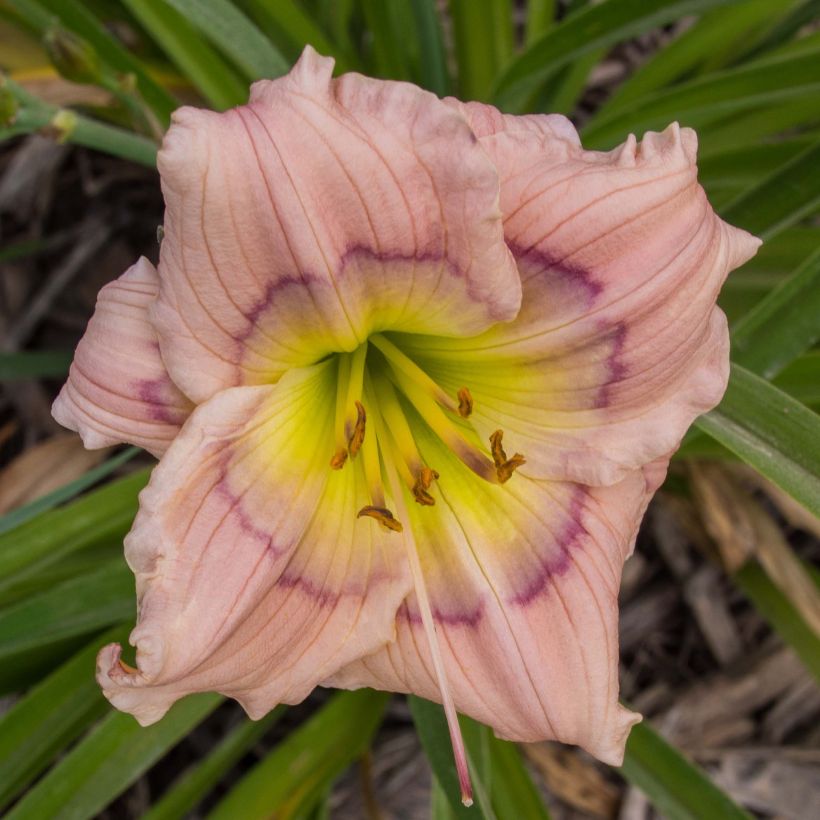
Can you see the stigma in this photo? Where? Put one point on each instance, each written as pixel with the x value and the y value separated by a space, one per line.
pixel 382 397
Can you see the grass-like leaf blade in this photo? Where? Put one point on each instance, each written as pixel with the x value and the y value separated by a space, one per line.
pixel 34 364
pixel 782 325
pixel 19 516
pixel 774 605
pixel 706 99
pixel 677 788
pixel 50 717
pixel 185 47
pixel 293 777
pixel 108 760
pixel 101 516
pixel 771 432
pixel 782 199
pixel 35 626
pixel 235 35
pixel 199 780
pixel 433 62
pixel 598 26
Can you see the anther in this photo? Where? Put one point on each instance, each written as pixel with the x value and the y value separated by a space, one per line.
pixel 383 516
pixel 424 478
pixel 504 467
pixel 126 667
pixel 354 443
pixel 465 403
pixel 339 459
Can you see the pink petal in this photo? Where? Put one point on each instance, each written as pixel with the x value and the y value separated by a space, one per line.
pixel 523 582
pixel 323 211
pixel 619 344
pixel 254 577
pixel 118 389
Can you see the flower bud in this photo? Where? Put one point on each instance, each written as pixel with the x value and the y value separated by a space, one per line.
pixel 72 56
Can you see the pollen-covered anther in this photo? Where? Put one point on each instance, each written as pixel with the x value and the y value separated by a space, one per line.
pixel 126 667
pixel 383 516
pixel 354 443
pixel 339 459
pixel 424 478
pixel 465 403
pixel 504 467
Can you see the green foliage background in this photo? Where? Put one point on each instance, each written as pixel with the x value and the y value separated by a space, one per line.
pixel 745 73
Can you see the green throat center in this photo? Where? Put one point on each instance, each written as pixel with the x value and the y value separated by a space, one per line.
pixel 381 395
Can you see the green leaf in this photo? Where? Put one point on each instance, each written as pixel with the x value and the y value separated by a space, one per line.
pixel 70 610
pixel 433 63
pixel 761 122
pixel 774 605
pixel 439 804
pixel 185 47
pixel 716 31
pixel 389 51
pixel 803 15
pixel 677 788
pixel 293 23
pixel 540 17
pixel 40 364
pixel 483 37
pixel 783 325
pixel 101 516
pixel 230 30
pixel 596 27
pixel 200 779
pixel 770 431
pixel 704 100
pixel 19 516
pixel 801 378
pixel 48 719
pixel 782 199
pixel 292 777
pixel 746 165
pixel 514 793
pixel 782 254
pixel 108 760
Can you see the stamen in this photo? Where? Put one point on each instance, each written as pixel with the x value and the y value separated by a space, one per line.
pixel 444 428
pixel 370 454
pixel 504 466
pixel 404 364
pixel 429 626
pixel 339 459
pixel 354 443
pixel 424 478
pixel 465 403
pixel 383 516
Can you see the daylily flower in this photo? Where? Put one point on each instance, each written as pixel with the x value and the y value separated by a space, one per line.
pixel 413 370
